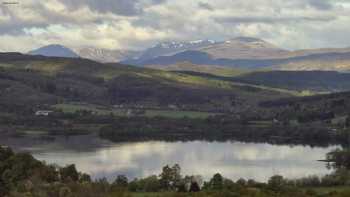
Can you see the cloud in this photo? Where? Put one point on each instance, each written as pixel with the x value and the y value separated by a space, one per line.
pixel 322 5
pixel 205 6
pixel 272 20
pixel 138 24
pixel 119 7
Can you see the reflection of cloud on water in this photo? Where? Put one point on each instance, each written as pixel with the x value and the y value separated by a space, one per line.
pixel 120 158
pixel 232 159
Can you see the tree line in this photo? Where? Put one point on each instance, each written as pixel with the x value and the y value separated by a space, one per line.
pixel 24 176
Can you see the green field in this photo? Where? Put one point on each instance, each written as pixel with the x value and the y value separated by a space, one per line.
pixel 177 114
pixel 321 191
pixel 103 110
pixel 326 190
pixel 99 110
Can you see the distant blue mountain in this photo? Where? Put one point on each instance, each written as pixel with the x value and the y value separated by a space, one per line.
pixel 54 50
pixel 202 58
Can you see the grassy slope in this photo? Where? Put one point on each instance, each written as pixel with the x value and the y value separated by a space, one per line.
pixel 299 83
pixel 210 69
pixel 52 66
pixel 339 65
pixel 316 81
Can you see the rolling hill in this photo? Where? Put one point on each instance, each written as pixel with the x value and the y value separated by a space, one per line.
pixel 335 61
pixel 314 81
pixel 38 81
pixel 210 69
pixel 305 82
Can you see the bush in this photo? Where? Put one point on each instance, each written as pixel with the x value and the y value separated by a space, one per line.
pixel 69 173
pixel 276 183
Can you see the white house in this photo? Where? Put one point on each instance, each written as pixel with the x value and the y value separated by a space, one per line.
pixel 43 113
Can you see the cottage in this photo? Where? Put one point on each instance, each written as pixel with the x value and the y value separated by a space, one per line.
pixel 43 113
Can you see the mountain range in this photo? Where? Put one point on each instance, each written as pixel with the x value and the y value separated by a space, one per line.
pixel 241 52
pixel 172 48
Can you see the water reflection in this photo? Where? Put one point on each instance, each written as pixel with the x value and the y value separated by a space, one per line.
pixel 232 159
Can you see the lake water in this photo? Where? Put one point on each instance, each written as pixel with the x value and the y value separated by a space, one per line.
pixel 234 160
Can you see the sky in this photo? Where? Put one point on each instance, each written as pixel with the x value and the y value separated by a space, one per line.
pixel 138 24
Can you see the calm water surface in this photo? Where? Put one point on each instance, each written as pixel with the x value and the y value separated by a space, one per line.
pixel 234 160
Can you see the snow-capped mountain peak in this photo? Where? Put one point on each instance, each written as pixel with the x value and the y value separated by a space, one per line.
pixel 106 55
pixel 173 47
pixel 178 45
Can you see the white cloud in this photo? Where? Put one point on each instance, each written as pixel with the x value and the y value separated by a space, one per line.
pixel 140 23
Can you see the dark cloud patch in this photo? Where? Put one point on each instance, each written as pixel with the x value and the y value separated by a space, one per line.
pixel 158 1
pixel 271 20
pixel 118 7
pixel 205 6
pixel 15 25
pixel 321 4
